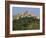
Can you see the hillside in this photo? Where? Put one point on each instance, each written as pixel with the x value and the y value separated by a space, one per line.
pixel 26 21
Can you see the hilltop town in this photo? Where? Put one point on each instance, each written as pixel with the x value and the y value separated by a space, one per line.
pixel 26 21
pixel 25 14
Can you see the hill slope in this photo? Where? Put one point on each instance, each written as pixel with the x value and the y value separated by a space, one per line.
pixel 26 23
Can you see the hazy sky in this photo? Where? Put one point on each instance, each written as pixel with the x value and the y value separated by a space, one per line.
pixel 17 10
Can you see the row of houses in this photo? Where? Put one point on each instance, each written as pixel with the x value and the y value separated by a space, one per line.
pixel 24 14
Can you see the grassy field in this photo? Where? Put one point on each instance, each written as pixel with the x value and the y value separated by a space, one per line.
pixel 26 23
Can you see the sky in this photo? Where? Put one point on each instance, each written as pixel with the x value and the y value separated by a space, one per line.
pixel 16 10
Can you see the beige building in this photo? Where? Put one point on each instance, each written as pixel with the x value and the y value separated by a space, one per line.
pixel 24 14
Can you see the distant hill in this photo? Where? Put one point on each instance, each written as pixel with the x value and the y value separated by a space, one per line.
pixel 26 21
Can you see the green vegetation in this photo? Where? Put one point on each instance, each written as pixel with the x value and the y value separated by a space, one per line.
pixel 26 23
